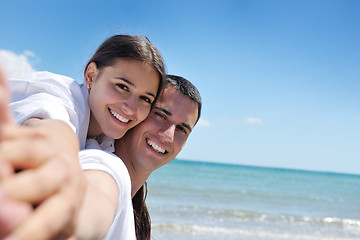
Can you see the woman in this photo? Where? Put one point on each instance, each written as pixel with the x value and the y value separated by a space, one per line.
pixel 151 144
pixel 109 190
pixel 122 82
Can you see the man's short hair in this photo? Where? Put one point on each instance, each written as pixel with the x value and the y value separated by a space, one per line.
pixel 186 88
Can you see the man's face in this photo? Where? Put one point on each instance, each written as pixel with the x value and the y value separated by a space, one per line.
pixel 157 140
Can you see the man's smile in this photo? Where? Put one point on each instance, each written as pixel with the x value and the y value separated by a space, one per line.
pixel 155 146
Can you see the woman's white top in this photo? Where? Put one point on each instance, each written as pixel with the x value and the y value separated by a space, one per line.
pixel 47 95
pixel 122 227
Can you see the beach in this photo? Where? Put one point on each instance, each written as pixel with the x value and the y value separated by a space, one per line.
pixel 199 200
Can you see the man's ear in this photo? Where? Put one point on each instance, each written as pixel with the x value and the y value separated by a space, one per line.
pixel 90 74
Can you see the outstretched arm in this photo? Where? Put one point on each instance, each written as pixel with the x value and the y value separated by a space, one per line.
pixel 45 156
pixel 11 212
pixel 99 206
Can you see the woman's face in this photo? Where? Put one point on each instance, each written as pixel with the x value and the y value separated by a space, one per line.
pixel 120 96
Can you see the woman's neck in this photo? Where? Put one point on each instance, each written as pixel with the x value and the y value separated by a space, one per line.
pixel 94 128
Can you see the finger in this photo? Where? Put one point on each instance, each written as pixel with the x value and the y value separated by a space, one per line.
pixel 25 153
pixel 5 169
pixel 48 220
pixel 12 213
pixel 36 184
pixel 5 116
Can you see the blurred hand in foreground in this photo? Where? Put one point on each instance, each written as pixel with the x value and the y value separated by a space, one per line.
pixel 41 183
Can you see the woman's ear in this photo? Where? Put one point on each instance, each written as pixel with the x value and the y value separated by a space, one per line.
pixel 90 74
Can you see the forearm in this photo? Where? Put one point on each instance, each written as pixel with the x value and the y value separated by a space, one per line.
pixel 61 134
pixel 99 205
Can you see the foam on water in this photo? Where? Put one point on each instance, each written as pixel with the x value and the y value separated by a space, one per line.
pixel 189 200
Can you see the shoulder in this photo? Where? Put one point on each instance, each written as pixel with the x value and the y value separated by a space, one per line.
pixel 42 76
pixel 95 159
pixel 122 226
pixel 99 156
pixel 44 82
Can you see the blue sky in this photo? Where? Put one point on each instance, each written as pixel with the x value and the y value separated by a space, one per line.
pixel 280 80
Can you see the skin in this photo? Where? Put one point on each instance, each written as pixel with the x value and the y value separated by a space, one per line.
pixel 12 211
pixel 168 126
pixel 60 194
pixel 126 89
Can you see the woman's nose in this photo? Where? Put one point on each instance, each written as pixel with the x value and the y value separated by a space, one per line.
pixel 130 105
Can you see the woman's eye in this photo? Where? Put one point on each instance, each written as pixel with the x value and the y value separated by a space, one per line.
pixel 146 99
pixel 122 86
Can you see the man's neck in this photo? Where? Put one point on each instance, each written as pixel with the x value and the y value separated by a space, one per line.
pixel 137 176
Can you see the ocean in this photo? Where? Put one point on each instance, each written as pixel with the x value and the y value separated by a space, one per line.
pixel 191 200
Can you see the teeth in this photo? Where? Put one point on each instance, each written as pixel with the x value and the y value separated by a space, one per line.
pixel 121 118
pixel 156 147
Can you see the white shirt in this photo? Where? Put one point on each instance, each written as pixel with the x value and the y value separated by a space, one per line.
pixel 122 227
pixel 51 96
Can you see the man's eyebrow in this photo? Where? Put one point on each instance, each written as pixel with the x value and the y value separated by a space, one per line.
pixel 187 126
pixel 164 110
pixel 132 84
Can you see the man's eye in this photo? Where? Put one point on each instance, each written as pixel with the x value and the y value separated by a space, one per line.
pixel 182 129
pixel 122 86
pixel 160 115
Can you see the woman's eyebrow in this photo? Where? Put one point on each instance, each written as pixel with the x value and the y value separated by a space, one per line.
pixel 125 80
pixel 150 94
pixel 132 84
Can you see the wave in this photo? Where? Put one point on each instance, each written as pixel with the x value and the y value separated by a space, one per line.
pixel 236 232
pixel 255 217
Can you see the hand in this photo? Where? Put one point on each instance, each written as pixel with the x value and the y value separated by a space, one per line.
pixel 12 213
pixel 45 155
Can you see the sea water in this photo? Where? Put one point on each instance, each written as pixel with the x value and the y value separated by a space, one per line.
pixel 197 200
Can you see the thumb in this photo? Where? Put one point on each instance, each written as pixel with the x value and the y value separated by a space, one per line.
pixel 5 113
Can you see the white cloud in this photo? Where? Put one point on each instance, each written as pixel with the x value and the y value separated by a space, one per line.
pixel 203 123
pixel 29 53
pixel 224 120
pixel 252 120
pixel 16 65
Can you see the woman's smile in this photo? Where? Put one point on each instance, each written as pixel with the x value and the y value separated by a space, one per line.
pixel 118 116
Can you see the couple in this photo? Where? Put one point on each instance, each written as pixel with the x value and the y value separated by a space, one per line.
pixel 153 143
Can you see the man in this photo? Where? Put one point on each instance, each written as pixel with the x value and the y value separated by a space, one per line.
pixel 150 145
pixel 158 140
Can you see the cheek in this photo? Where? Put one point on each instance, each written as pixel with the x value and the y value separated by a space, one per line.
pixel 105 92
pixel 180 141
pixel 92 100
pixel 143 112
pixel 96 93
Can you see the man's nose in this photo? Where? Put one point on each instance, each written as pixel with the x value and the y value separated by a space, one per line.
pixel 168 134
